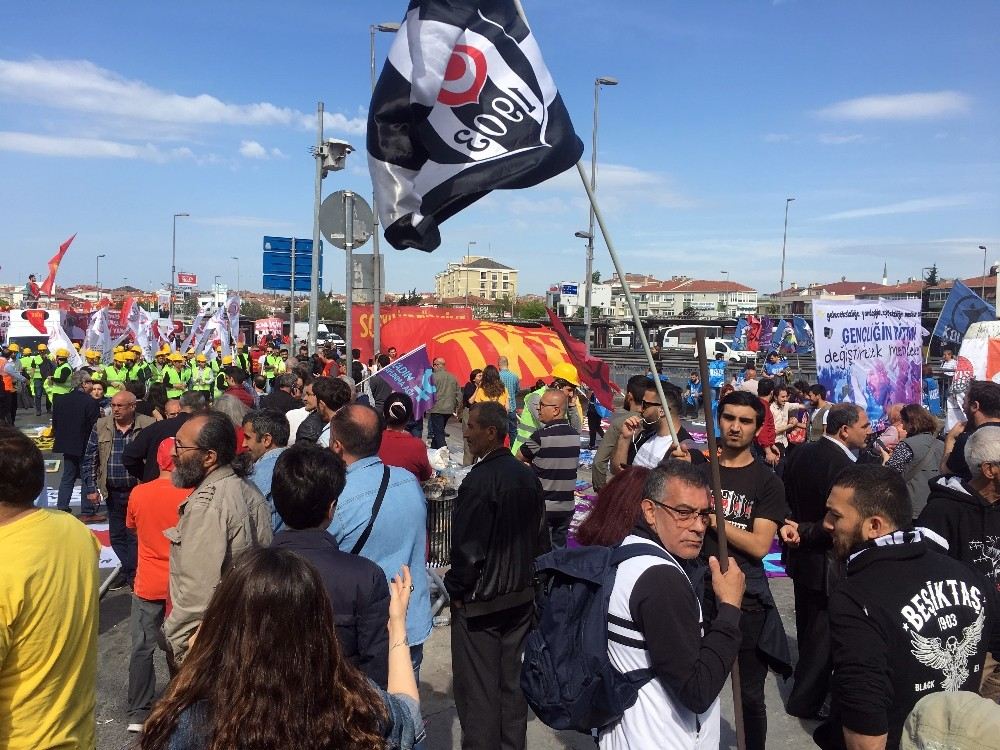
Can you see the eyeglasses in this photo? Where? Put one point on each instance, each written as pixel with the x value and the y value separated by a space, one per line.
pixel 649 404
pixel 686 516
pixel 178 448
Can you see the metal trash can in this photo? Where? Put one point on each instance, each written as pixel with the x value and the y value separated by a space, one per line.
pixel 439 508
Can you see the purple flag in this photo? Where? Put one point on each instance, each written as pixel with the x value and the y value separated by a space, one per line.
pixel 411 374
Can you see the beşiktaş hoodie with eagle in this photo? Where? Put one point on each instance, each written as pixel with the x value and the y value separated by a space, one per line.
pixel 907 621
pixel 968 524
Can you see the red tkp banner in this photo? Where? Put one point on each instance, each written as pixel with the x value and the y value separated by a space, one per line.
pixel 50 280
pixel 37 319
pixel 472 344
pixel 363 324
pixel 594 371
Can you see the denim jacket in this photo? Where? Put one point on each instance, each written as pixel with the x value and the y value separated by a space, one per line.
pixel 399 536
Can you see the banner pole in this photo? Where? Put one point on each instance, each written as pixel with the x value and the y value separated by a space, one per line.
pixel 720 522
pixel 402 356
pixel 640 331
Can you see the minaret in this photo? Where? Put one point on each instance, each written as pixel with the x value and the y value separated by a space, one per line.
pixel 885 274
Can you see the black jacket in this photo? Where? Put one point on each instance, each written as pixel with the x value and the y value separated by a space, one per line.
pixel 139 456
pixel 968 525
pixel 906 622
pixel 73 417
pixel 498 529
pixel 310 428
pixel 359 594
pixel 811 469
pixel 280 400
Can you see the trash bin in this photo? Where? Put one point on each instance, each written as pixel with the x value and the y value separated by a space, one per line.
pixel 439 508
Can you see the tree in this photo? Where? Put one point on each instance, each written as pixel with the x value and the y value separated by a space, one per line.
pixel 410 299
pixel 689 312
pixel 595 277
pixel 329 309
pixel 253 311
pixel 932 276
pixel 190 306
pixel 531 310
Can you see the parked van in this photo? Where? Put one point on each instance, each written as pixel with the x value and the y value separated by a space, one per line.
pixel 682 340
pixel 23 332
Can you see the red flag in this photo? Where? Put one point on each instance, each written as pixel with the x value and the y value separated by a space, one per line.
pixel 54 266
pixel 37 319
pixel 126 310
pixel 594 371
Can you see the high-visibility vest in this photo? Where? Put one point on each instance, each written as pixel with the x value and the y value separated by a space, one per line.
pixel 176 385
pixel 528 422
pixel 114 374
pixel 243 362
pixel 202 379
pixel 273 364
pixel 60 388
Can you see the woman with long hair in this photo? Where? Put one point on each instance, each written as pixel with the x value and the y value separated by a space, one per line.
pixel 248 683
pixel 156 400
pixel 468 391
pixel 616 509
pixel 491 388
pixel 918 455
pixel 399 447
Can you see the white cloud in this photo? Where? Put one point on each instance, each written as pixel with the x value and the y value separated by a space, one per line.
pixel 82 86
pixel 831 139
pixel 915 106
pixel 252 150
pixel 241 222
pixel 86 148
pixel 625 185
pixel 918 205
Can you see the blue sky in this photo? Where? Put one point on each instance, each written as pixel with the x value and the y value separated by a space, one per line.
pixel 881 119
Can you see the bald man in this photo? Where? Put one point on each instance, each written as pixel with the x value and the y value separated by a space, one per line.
pixel 105 477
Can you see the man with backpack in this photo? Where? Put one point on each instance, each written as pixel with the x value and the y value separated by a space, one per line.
pixel 656 623
pixel 498 528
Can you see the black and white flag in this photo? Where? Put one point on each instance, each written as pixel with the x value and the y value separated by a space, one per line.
pixel 464 105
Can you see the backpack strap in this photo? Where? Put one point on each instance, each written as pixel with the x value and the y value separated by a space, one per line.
pixel 363 539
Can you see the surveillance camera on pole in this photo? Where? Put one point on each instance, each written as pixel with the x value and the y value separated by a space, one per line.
pixel 334 153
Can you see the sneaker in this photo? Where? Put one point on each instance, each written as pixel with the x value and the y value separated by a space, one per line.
pixel 134 727
pixel 94 518
pixel 119 583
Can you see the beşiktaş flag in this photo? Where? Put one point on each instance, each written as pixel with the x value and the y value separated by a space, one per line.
pixel 464 105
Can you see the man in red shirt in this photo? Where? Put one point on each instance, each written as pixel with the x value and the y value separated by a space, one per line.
pixel 767 436
pixel 235 376
pixel 152 508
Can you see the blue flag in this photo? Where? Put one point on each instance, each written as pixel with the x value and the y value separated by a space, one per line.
pixel 962 308
pixel 804 342
pixel 411 374
pixel 740 335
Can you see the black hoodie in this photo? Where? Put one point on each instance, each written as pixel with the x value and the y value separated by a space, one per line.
pixel 968 524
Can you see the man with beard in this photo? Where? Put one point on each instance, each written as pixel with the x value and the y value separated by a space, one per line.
pixel 224 516
pixel 644 438
pixel 907 621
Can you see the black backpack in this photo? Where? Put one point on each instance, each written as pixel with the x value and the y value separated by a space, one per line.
pixel 566 674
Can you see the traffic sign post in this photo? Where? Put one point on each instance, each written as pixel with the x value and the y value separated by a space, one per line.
pixel 287 266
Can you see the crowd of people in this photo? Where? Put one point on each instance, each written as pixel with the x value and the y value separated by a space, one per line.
pixel 272 530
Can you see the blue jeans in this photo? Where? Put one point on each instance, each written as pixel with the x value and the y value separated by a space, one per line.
pixel 512 426
pixel 436 424
pixel 40 399
pixel 70 473
pixel 123 539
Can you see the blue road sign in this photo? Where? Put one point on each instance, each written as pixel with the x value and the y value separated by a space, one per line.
pixel 569 289
pixel 277 264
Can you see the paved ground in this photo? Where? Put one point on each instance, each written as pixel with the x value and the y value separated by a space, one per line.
pixel 437 702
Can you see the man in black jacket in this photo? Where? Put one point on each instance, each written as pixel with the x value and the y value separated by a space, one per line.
pixel 498 528
pixel 73 418
pixel 284 395
pixel 808 479
pixel 907 621
pixel 306 477
pixel 139 456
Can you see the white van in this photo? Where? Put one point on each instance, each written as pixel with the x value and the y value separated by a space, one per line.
pixel 683 340
pixel 23 333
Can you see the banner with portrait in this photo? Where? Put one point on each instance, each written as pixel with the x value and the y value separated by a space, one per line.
pixel 868 352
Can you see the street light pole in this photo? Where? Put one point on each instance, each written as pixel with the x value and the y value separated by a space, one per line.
pixel 173 264
pixel 233 257
pixel 467 249
pixel 983 290
pixel 784 240
pixel 317 199
pixel 377 273
pixel 102 255
pixel 589 279
pixel 725 293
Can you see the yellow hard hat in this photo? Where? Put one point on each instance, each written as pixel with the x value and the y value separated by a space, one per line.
pixel 121 357
pixel 164 349
pixel 566 371
pixel 91 354
pixel 130 355
pixel 43 348
pixel 62 353
pixel 201 358
pixel 13 347
pixel 26 350
pixel 175 357
pixel 76 345
pixel 118 349
pixel 227 359
pixel 136 348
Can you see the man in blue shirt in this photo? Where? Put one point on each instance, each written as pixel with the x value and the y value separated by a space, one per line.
pixel 398 534
pixel 513 385
pixel 265 436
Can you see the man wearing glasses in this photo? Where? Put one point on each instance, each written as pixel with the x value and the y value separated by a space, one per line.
pixel 105 477
pixel 553 450
pixel 656 621
pixel 284 395
pixel 223 516
pixel 754 508
pixel 644 439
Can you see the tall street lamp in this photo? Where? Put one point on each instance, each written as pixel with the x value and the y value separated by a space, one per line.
pixel 725 293
pixel 784 240
pixel 589 279
pixel 173 264
pixel 377 273
pixel 467 249
pixel 983 290
pixel 102 255
pixel 233 257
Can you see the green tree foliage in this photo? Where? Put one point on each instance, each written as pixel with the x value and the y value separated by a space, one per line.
pixel 531 310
